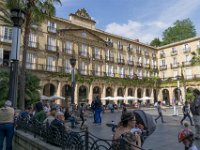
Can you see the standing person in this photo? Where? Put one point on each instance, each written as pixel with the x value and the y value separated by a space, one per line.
pixel 6 125
pixel 40 115
pixel 98 110
pixel 195 109
pixel 124 109
pixel 81 115
pixel 160 115
pixel 186 113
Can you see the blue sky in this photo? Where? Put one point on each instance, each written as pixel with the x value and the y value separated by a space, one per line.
pixel 142 19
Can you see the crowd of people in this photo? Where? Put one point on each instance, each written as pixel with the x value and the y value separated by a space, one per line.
pixel 57 116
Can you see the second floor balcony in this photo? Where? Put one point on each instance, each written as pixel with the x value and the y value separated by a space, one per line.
pixel 109 43
pixel 51 48
pixel 130 49
pixel 32 44
pixel 174 65
pixel 163 67
pixel 120 61
pixel 154 67
pixel 186 49
pixel 7 39
pixel 109 59
pixel 51 29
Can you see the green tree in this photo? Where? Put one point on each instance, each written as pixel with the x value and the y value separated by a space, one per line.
pixel 32 88
pixel 155 42
pixel 196 57
pixel 36 12
pixel 179 31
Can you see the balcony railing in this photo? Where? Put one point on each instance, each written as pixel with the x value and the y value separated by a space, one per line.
pixel 139 64
pixel 51 48
pixel 186 63
pixel 119 75
pixel 68 51
pixel 33 44
pixel 120 61
pixel 83 71
pixel 138 52
pixel 109 74
pixel 7 39
pixel 147 66
pixel 130 63
pixel 163 67
pixel 154 67
pixel 186 49
pixel 51 29
pixel 175 65
pixel 109 59
pixel 120 47
pixel 162 55
pixel 97 56
pixel 109 43
pixel 173 53
pixel 130 49
pixel 154 55
pixel 84 54
pixel 96 73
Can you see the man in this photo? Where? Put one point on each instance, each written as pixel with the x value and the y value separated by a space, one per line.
pixel 186 113
pixel 6 125
pixel 59 120
pixel 51 116
pixel 160 115
pixel 195 109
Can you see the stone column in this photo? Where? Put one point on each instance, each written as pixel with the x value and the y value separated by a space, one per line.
pixel 58 92
pixel 152 96
pixel 125 95
pixel 103 94
pixel 90 94
pixel 76 90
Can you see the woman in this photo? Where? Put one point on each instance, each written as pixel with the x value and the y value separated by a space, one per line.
pixel 40 115
pixel 127 123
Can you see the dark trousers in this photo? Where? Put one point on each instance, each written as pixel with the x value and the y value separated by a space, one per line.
pixel 6 131
pixel 185 116
pixel 160 116
pixel 98 115
pixel 83 120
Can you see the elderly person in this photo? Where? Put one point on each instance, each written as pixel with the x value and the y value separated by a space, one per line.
pixel 127 123
pixel 6 125
pixel 51 116
pixel 195 109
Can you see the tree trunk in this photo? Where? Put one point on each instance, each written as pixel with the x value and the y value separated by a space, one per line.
pixel 23 67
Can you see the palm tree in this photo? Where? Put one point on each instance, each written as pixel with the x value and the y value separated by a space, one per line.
pixel 196 57
pixel 36 12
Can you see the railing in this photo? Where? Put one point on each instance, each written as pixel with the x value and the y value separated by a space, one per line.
pixel 51 29
pixel 96 73
pixel 154 67
pixel 7 39
pixel 130 49
pixel 174 52
pixel 97 56
pixel 110 58
pixel 139 64
pixel 186 49
pixel 130 63
pixel 33 44
pixel 68 51
pixel 120 61
pixel 83 71
pixel 163 67
pixel 51 48
pixel 175 65
pixel 109 43
pixel 120 47
pixel 147 66
pixel 84 54
pixel 71 140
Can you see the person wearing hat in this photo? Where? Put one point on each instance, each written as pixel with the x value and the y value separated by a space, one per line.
pixel 124 128
pixel 195 109
pixel 6 125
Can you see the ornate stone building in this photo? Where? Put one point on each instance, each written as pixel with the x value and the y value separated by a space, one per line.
pixel 107 64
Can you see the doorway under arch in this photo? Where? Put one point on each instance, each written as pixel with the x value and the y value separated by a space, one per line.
pixel 176 93
pixel 96 92
pixel 109 92
pixel 165 96
pixel 49 89
pixel 66 92
pixel 82 94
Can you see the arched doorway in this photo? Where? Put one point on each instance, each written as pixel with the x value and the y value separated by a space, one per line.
pixel 109 92
pixel 49 89
pixel 177 95
pixel 82 94
pixel 96 92
pixel 66 92
pixel 120 93
pixel 139 93
pixel 147 93
pixel 155 96
pixel 165 93
pixel 130 93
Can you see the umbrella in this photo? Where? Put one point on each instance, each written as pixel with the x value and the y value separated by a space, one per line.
pixel 43 97
pixel 56 97
pixel 131 98
pixel 108 98
pixel 145 98
pixel 119 98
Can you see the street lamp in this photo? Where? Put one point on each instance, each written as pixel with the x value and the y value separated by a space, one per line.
pixel 73 63
pixel 178 92
pixel 17 17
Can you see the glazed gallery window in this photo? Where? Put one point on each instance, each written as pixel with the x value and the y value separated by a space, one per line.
pixel 51 44
pixel 30 61
pixel 67 66
pixel 6 34
pixel 51 63
pixel 83 50
pixel 32 42
pixel 68 47
pixel 109 70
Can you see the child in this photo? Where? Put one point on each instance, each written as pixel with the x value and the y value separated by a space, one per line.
pixel 187 137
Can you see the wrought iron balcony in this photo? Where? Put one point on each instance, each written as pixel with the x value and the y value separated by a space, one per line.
pixel 51 29
pixel 33 44
pixel 154 67
pixel 109 74
pixel 186 49
pixel 130 49
pixel 163 67
pixel 147 66
pixel 175 65
pixel 84 54
pixel 120 47
pixel 51 48
pixel 68 51
pixel 97 57
pixel 83 71
pixel 130 63
pixel 109 43
pixel 139 64
pixel 174 52
pixel 109 59
pixel 186 63
pixel 96 73
pixel 120 60
pixel 7 39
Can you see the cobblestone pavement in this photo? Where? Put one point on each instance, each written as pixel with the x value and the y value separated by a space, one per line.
pixel 163 138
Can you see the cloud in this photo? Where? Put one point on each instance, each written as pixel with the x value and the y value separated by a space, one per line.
pixel 144 31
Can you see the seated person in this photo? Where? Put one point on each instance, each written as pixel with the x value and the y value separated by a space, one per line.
pixel 51 116
pixel 69 117
pixel 127 123
pixel 27 113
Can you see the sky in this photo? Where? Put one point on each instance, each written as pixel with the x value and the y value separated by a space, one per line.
pixel 135 19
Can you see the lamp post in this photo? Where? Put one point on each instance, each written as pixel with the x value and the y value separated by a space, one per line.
pixel 178 92
pixel 17 17
pixel 73 63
